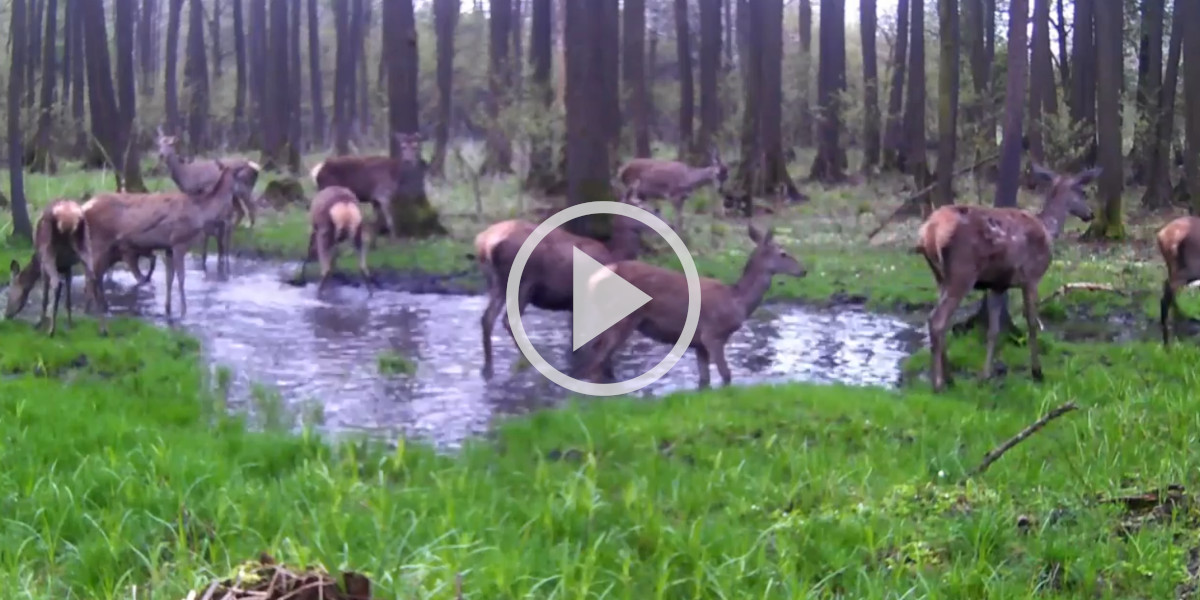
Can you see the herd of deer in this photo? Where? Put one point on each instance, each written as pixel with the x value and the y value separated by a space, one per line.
pixel 966 247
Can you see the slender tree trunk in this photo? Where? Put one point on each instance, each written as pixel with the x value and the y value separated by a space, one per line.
pixel 295 71
pixel 42 156
pixel 1109 223
pixel 770 21
pixel 170 83
pixel 343 82
pixel 314 70
pixel 687 111
pixel 948 69
pixel 872 140
pixel 1083 73
pixel 32 51
pixel 146 56
pixel 1149 83
pixel 1064 63
pixel 1191 94
pixel 710 65
pixel 1158 181
pixel 214 25
pixel 542 175
pixel 499 147
pixel 805 116
pixel 126 147
pixel 829 165
pixel 22 228
pixel 612 72
pixel 634 38
pixel 400 32
pixel 750 173
pixel 195 73
pixel 516 31
pixel 239 96
pixel 78 73
pixel 587 138
pixel 915 160
pixel 1041 81
pixel 445 15
pixel 279 151
pixel 893 140
pixel 976 111
pixel 362 95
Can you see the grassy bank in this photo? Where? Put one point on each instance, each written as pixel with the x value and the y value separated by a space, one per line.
pixel 119 472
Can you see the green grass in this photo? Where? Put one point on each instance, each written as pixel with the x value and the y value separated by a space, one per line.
pixel 121 471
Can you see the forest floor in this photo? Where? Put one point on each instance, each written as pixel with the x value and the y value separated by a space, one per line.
pixel 123 469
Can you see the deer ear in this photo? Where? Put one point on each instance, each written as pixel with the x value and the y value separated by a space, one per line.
pixel 1087 176
pixel 1042 173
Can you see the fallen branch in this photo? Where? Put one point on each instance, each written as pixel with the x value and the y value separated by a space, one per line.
pixel 907 203
pixel 1081 287
pixel 995 454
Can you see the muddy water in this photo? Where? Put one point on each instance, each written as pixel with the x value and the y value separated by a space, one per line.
pixel 280 337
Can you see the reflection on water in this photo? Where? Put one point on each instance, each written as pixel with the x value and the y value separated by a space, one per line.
pixel 280 336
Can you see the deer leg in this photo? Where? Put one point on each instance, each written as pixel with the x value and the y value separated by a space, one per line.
pixel 93 275
pixel 67 283
pixel 702 361
pixel 383 211
pixel 58 290
pixel 361 248
pixel 1031 323
pixel 180 273
pixel 677 204
pixel 718 354
pixel 1169 302
pixel 604 346
pixel 939 319
pixel 487 323
pixel 170 260
pixel 994 300
pixel 324 253
pixel 45 302
pixel 308 256
pixel 223 231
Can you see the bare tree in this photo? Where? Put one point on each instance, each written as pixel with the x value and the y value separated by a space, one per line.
pixel 1191 92
pixel 400 32
pixel 170 83
pixel 41 157
pixel 279 149
pixel 948 68
pixel 1109 73
pixel 830 164
pixel 914 159
pixel 257 49
pixel 314 70
pixel 687 94
pixel 871 118
pixel 22 228
pixel 147 53
pixel 499 147
pixel 893 133
pixel 1158 166
pixel 343 78
pixel 634 39
pixel 542 175
pixel 805 117
pixel 710 65
pixel 195 73
pixel 1150 74
pixel 239 48
pixel 587 139
pixel 1042 99
pixel 445 15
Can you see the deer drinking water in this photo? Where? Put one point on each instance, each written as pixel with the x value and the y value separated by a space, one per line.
pixel 671 180
pixel 547 279
pixel 375 179
pixel 723 308
pixel 335 218
pixel 196 175
pixel 168 221
pixel 994 249
pixel 59 244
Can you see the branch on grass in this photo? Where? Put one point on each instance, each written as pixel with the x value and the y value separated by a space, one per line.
pixel 1081 286
pixel 995 454
pixel 910 201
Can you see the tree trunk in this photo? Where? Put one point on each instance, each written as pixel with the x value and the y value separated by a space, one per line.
pixel 1149 83
pixel 78 72
pixel 170 83
pixel 893 135
pixel 770 118
pixel 612 71
pixel 296 91
pixel 41 159
pixel 1041 81
pixel 687 110
pixel 914 159
pixel 710 65
pixel 361 93
pixel 257 49
pixel 146 55
pixel 1158 177
pixel 214 25
pixel 314 70
pixel 587 138
pixel 195 73
pixel 111 124
pixel 239 96
pixel 829 165
pixel 343 78
pixel 948 69
pixel 805 116
pixel 22 228
pixel 499 147
pixel 279 150
pixel 515 31
pixel 1064 64
pixel 1083 74
pixel 445 15
pixel 750 172
pixel 33 48
pixel 126 141
pixel 542 175
pixel 634 38
pixel 400 32
pixel 1108 223
pixel 872 141
pixel 1191 94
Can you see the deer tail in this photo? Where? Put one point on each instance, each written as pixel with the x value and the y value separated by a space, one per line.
pixel 316 171
pixel 346 218
pixel 67 217
pixel 258 168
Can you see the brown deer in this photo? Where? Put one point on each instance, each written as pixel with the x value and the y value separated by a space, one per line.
pixel 194 176
pixel 671 180
pixel 723 308
pixel 335 218
pixel 1179 243
pixel 168 221
pixel 994 249
pixel 376 179
pixel 59 242
pixel 547 278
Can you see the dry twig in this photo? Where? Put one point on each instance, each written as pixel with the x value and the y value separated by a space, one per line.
pixel 907 203
pixel 1081 286
pixel 995 454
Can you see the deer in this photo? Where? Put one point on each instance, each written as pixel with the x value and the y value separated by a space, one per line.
pixel 167 221
pixel 547 278
pixel 335 218
pixel 723 307
pixel 59 242
pixel 1179 244
pixel 995 249
pixel 672 180
pixel 375 180
pixel 193 176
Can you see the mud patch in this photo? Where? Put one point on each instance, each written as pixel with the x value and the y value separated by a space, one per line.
pixel 264 579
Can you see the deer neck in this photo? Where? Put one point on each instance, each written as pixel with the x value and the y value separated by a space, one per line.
pixel 695 178
pixel 1053 218
pixel 752 285
pixel 174 165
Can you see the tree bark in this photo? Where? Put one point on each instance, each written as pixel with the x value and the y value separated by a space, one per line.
pixel 214 24
pixel 1041 81
pixel 22 228
pixel 33 48
pixel 1109 223
pixel 893 135
pixel 914 159
pixel 296 89
pixel 1191 92
pixel 257 49
pixel 400 32
pixel 1158 177
pixel 41 159
pixel 343 78
pixel 634 38
pixel 146 55
pixel 587 140
pixel 445 15
pixel 1083 75
pixel 170 83
pixel 710 65
pixel 1150 66
pixel 770 21
pixel 872 149
pixel 239 96
pixel 948 69
pixel 111 124
pixel 829 165
pixel 126 145
pixel 612 72
pixel 805 116
pixel 499 148
pixel 683 43
pixel 542 175
pixel 195 72
pixel 78 78
pixel 314 74
pixel 279 149
pixel 1009 173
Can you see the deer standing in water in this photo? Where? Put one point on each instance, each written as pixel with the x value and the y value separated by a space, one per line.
pixel 59 242
pixel 994 249
pixel 376 179
pixel 723 308
pixel 547 278
pixel 671 180
pixel 167 221
pixel 335 218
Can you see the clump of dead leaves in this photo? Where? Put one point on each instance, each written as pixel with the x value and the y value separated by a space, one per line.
pixel 265 579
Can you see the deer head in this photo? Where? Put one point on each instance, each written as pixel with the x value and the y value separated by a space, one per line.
pixel 771 257
pixel 1066 191
pixel 18 290
pixel 409 146
pixel 166 144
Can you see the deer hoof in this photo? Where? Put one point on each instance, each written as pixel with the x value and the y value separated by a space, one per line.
pixel 1036 373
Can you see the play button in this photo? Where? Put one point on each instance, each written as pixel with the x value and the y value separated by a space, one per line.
pixel 598 306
